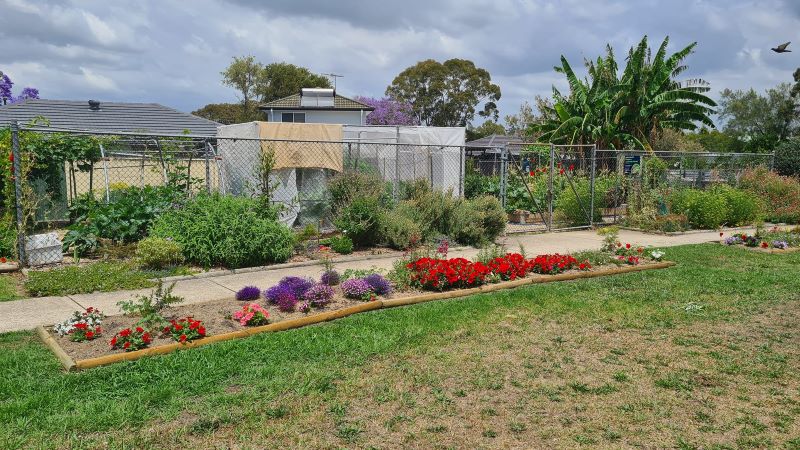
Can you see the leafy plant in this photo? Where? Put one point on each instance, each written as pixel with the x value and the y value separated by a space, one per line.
pixel 342 245
pixel 360 221
pixel 185 330
pixel 82 326
pixel 131 339
pixel 251 315
pixel 158 253
pixel 149 307
pixel 224 230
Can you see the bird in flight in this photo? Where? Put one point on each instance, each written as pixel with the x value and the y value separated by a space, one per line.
pixel 781 48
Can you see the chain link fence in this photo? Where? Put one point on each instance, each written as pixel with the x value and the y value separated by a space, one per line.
pixel 60 172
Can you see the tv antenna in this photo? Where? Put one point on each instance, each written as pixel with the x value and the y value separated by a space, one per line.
pixel 334 77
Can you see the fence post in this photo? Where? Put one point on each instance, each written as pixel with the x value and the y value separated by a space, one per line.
pixel 462 171
pixel 503 176
pixel 23 260
pixel 591 187
pixel 208 166
pixel 550 171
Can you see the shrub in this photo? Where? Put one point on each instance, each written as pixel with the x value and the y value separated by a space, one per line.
pixel 158 253
pixel 574 211
pixel 330 278
pixel 704 209
pixel 400 231
pixel 780 195
pixel 228 231
pixel 342 245
pixel 248 293
pixel 493 217
pixel 251 315
pixel 319 295
pixel 357 288
pixel 466 226
pixel 149 307
pixel 346 187
pixel 379 284
pixel 743 207
pixel 360 221
pixel 787 157
pixel 8 238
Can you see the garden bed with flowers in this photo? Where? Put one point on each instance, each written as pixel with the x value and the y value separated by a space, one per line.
pixel 157 324
pixel 774 240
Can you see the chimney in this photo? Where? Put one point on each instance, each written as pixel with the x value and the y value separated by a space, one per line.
pixel 94 105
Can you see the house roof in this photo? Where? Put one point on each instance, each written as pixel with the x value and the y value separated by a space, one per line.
pixel 494 140
pixel 111 117
pixel 340 103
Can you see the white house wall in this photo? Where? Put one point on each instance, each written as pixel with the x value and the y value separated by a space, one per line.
pixel 330 117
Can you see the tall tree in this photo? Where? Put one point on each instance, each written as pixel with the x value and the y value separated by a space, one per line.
pixel 796 87
pixel 388 111
pixel 7 96
pixel 617 110
pixel 760 121
pixel 487 128
pixel 278 80
pixel 229 113
pixel 446 94
pixel 242 75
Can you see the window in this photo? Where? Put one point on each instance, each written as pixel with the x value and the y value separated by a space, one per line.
pixel 293 117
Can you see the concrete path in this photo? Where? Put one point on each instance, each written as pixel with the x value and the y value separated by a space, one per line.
pixel 28 313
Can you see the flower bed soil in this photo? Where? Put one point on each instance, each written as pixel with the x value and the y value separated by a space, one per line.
pixel 215 317
pixel 771 250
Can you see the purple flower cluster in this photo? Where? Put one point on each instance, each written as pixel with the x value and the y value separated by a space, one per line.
pixel 330 278
pixel 297 285
pixel 379 284
pixel 286 302
pixel 5 91
pixel 319 295
pixel 733 240
pixel 357 288
pixel 389 112
pixel 783 245
pixel 304 308
pixel 248 293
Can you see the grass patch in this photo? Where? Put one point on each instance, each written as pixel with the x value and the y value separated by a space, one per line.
pixel 464 373
pixel 8 288
pixel 95 277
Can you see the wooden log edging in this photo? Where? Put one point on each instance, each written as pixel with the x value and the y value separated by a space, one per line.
pixel 70 365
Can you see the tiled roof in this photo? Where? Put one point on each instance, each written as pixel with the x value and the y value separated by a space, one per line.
pixel 494 140
pixel 111 117
pixel 339 102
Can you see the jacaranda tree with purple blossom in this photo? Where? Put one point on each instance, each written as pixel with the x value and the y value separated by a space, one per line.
pixel 7 96
pixel 389 111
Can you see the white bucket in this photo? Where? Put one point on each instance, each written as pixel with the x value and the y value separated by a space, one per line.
pixel 42 249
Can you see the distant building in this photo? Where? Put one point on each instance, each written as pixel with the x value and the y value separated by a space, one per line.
pixel 316 105
pixel 107 117
pixel 486 151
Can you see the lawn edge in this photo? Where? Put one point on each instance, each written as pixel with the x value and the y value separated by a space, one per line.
pixel 70 365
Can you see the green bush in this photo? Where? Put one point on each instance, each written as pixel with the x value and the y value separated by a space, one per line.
pixel 400 230
pixel 743 207
pixel 229 231
pixel 492 216
pixel 704 209
pixel 360 221
pixel 346 187
pixel 574 212
pixel 466 225
pixel 342 244
pixel 158 253
pixel 8 239
pixel 787 157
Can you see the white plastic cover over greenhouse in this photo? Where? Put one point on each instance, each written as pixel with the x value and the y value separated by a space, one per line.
pixel 319 151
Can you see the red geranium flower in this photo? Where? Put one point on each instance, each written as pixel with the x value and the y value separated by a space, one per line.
pixel 764 245
pixel 628 246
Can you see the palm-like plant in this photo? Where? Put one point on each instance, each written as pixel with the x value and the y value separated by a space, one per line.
pixel 614 112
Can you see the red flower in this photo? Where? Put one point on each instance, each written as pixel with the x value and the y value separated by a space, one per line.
pixel 571 167
pixel 126 345
pixel 531 173
pixel 627 245
pixel 125 333
pixel 182 338
pixel 3 260
pixel 202 331
pixel 561 171
pixel 764 245
pixel 146 338
pixel 139 330
pixel 81 325
pixel 113 341
pixel 89 335
pixel 720 235
pixel 640 250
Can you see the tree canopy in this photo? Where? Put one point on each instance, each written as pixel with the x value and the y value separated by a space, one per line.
pixel 388 111
pixel 760 122
pixel 280 79
pixel 6 94
pixel 446 94
pixel 487 128
pixel 627 109
pixel 229 113
pixel 241 75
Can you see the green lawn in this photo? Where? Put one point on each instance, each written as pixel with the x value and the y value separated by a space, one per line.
pixel 8 288
pixel 702 355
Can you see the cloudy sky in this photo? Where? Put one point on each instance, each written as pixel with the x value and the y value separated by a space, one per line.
pixel 171 52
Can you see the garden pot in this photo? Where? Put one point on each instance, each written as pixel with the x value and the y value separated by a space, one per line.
pixel 42 249
pixel 519 216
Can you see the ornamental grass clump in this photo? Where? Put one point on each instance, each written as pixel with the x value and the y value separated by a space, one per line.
pixel 379 284
pixel 248 293
pixel 319 295
pixel 251 315
pixel 358 288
